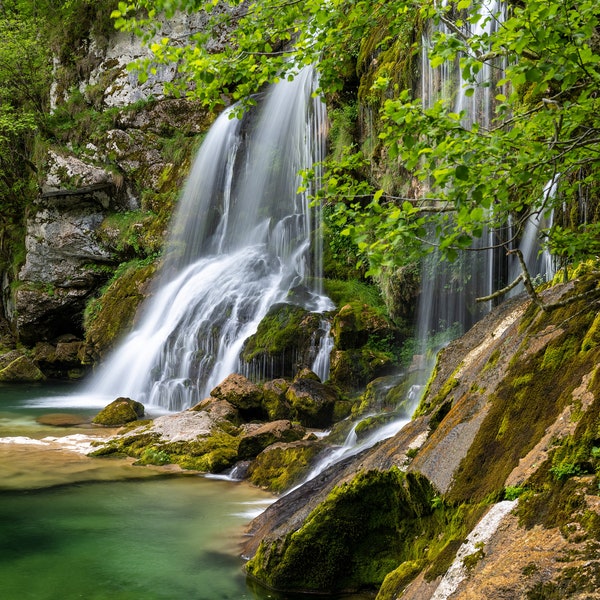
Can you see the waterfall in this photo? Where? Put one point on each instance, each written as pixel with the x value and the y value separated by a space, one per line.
pixel 321 350
pixel 447 82
pixel 240 242
pixel 447 306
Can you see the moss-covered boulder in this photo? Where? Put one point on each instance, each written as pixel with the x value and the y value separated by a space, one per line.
pixel 204 438
pixel 353 369
pixel 283 339
pixel 16 367
pixel 312 402
pixel 355 324
pixel 257 439
pixel 119 412
pixel 240 392
pixel 275 404
pixel 362 531
pixel 282 465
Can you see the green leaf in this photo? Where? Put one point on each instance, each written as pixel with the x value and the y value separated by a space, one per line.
pixel 462 172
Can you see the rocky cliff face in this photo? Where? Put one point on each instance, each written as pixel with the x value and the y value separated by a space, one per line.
pixel 498 474
pixel 107 187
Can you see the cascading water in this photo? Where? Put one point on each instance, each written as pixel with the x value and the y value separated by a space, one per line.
pixel 446 81
pixel 446 305
pixel 537 257
pixel 321 350
pixel 240 243
pixel 448 291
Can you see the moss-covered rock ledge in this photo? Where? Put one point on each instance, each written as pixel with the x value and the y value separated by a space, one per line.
pixel 492 491
pixel 230 428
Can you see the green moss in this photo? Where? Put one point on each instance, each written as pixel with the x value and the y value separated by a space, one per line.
pixel 470 561
pixel 388 51
pixel 492 360
pixel 398 579
pixel 343 130
pixel 283 335
pixel 362 531
pixel 427 406
pixel 592 337
pixel 281 466
pixel 132 234
pixel 153 456
pixel 343 292
pixel 113 312
pixel 533 393
pixel 133 445
pixel 212 454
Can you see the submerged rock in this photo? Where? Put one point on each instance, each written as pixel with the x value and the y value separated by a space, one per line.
pixel 61 420
pixel 119 412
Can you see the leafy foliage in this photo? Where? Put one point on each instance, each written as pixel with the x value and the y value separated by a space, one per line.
pixel 24 73
pixel 538 155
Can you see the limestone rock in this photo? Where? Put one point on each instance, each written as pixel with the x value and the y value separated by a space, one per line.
pixel 312 402
pixel 238 391
pixel 16 367
pixel 119 412
pixel 256 441
pixel 167 116
pixel 66 172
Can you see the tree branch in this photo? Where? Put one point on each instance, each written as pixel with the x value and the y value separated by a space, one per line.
pixel 501 292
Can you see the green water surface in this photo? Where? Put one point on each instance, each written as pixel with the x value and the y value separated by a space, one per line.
pixel 75 527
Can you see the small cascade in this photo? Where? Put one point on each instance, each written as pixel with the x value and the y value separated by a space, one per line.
pixel 320 350
pixel 393 422
pixel 446 80
pixel 537 257
pixel 240 242
pixel 447 305
pixel 353 445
